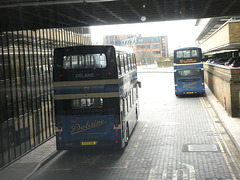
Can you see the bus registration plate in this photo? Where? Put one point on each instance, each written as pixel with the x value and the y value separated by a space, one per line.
pixel 89 143
pixel 189 92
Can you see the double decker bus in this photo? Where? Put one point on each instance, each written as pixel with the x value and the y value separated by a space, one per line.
pixel 95 95
pixel 188 71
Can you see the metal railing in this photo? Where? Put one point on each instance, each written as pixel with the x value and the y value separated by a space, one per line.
pixel 26 87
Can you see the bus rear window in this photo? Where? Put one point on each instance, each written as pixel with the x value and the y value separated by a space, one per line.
pixel 87 103
pixel 188 73
pixel 84 61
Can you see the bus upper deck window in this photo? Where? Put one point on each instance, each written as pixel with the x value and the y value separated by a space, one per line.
pixel 126 63
pixel 179 54
pixel 122 63
pixel 83 61
pixel 118 65
pixel 194 53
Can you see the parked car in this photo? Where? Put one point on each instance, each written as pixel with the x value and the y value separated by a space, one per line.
pixel 229 61
pixel 233 62
pixel 210 60
pixel 236 62
pixel 219 61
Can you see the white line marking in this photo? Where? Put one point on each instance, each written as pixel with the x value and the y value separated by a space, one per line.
pixel 191 171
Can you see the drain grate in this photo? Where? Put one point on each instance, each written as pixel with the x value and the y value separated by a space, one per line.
pixel 200 148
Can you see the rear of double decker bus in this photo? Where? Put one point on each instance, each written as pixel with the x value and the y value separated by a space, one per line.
pixel 188 71
pixel 86 93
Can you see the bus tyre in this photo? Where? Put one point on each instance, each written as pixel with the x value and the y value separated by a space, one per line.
pixel 136 114
pixel 127 136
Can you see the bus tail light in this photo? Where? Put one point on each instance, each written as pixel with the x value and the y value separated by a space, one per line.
pixel 109 73
pixel 203 83
pixel 116 130
pixel 116 125
pixel 60 75
pixel 59 130
pixel 175 85
pixel 116 135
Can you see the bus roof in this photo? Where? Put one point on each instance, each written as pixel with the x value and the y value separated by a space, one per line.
pixel 186 48
pixel 117 48
pixel 125 49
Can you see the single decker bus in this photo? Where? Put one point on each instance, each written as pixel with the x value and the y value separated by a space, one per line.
pixel 188 71
pixel 95 96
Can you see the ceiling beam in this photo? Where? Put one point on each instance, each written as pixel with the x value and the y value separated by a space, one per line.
pixel 207 6
pixel 47 3
pixel 183 8
pixel 132 9
pixel 159 9
pixel 89 15
pixel 68 17
pixel 111 12
pixel 226 9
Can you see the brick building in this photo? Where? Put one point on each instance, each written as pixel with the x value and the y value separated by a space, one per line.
pixel 220 37
pixel 148 49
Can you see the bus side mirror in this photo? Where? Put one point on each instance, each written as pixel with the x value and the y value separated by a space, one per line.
pixel 139 84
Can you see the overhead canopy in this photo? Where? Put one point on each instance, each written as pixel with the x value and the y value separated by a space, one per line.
pixel 35 14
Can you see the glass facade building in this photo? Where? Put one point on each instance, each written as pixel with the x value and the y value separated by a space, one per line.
pixel 26 87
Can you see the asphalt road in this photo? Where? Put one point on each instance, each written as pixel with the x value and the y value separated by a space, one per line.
pixel 177 138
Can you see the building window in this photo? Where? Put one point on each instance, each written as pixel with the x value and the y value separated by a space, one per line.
pixel 140 46
pixel 154 46
pixel 156 52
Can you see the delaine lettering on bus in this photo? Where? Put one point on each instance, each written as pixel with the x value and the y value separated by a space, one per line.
pixel 85 75
pixel 78 128
pixel 185 85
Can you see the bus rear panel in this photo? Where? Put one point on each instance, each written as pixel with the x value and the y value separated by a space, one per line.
pixel 188 71
pixel 87 98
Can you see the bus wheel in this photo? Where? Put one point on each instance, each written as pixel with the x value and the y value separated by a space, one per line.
pixel 127 136
pixel 136 114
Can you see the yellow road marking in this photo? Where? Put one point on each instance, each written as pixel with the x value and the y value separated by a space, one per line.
pixel 92 161
pixel 136 145
pixel 117 167
pixel 214 127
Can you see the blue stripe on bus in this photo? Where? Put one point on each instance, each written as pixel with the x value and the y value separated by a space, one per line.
pixel 192 66
pixel 86 89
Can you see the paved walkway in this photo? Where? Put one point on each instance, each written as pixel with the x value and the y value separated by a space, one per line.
pixel 31 162
pixel 28 164
pixel 232 125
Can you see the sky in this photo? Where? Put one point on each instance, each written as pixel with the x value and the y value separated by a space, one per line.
pixel 180 33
